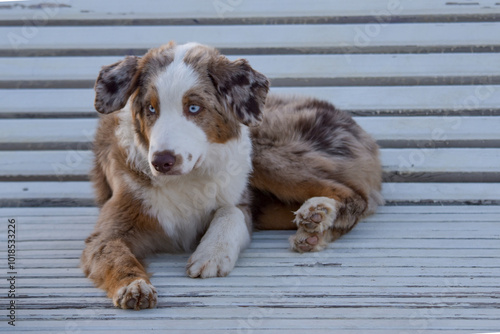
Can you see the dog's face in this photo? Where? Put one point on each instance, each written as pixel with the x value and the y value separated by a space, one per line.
pixel 183 99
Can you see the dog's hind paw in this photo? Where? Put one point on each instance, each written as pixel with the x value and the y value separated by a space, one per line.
pixel 316 215
pixel 314 218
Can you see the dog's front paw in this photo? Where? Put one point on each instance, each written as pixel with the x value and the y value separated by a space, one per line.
pixel 314 219
pixel 211 261
pixel 136 295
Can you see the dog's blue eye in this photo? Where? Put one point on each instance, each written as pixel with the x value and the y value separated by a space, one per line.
pixel 194 108
pixel 152 109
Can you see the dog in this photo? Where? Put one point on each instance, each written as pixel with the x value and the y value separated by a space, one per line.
pixel 192 154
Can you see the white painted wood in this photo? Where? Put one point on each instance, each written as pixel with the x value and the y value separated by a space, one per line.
pixel 221 313
pixel 393 192
pixel 403 130
pixel 286 278
pixel 407 269
pixel 444 160
pixel 422 213
pixel 47 130
pixel 402 68
pixel 45 190
pixel 483 231
pixel 344 37
pixel 275 324
pixel 58 255
pixel 199 9
pixel 46 163
pixel 167 261
pixel 283 244
pixel 435 192
pixel 369 98
pixel 68 163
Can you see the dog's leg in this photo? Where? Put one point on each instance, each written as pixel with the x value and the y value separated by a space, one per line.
pixel 110 263
pixel 110 257
pixel 220 247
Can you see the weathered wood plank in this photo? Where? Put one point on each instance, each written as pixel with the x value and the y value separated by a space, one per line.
pixel 344 38
pixel 270 245
pixel 287 278
pixel 267 312
pixel 165 263
pixel 462 100
pixel 483 231
pixel 465 131
pixel 56 255
pixel 194 11
pixel 66 193
pixel 421 213
pixel 402 164
pixel 287 70
pixel 311 272
pixel 253 329
pixel 281 324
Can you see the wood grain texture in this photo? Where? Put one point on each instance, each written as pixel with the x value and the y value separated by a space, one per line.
pixel 462 100
pixel 419 132
pixel 191 10
pixel 409 165
pixel 387 277
pixel 282 70
pixel 421 76
pixel 344 38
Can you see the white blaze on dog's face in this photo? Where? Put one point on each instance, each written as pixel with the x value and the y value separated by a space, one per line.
pixel 183 99
pixel 175 138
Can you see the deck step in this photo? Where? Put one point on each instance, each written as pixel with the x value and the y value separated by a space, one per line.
pixel 282 70
pixel 399 165
pixel 258 39
pixel 390 132
pixel 84 12
pixel 452 100
pixel 73 193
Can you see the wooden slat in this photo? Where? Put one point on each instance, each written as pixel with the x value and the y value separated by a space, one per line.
pixel 408 165
pixel 418 132
pixel 462 100
pixel 460 68
pixel 66 193
pixel 284 325
pixel 458 99
pixel 345 38
pixel 448 213
pixel 191 10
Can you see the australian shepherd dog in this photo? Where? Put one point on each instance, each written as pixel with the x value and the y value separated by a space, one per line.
pixel 192 154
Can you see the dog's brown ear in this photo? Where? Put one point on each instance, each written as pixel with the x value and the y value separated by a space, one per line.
pixel 242 89
pixel 115 84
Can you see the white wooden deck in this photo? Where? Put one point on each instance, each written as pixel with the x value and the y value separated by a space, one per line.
pixel 422 76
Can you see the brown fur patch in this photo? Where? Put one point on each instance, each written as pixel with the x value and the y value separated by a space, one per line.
pixel 238 86
pixel 212 118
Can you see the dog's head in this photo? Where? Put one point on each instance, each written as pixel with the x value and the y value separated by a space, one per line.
pixel 183 98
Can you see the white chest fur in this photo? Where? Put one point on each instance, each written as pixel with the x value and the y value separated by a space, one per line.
pixel 185 205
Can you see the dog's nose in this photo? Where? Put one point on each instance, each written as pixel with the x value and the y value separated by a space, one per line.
pixel 163 161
